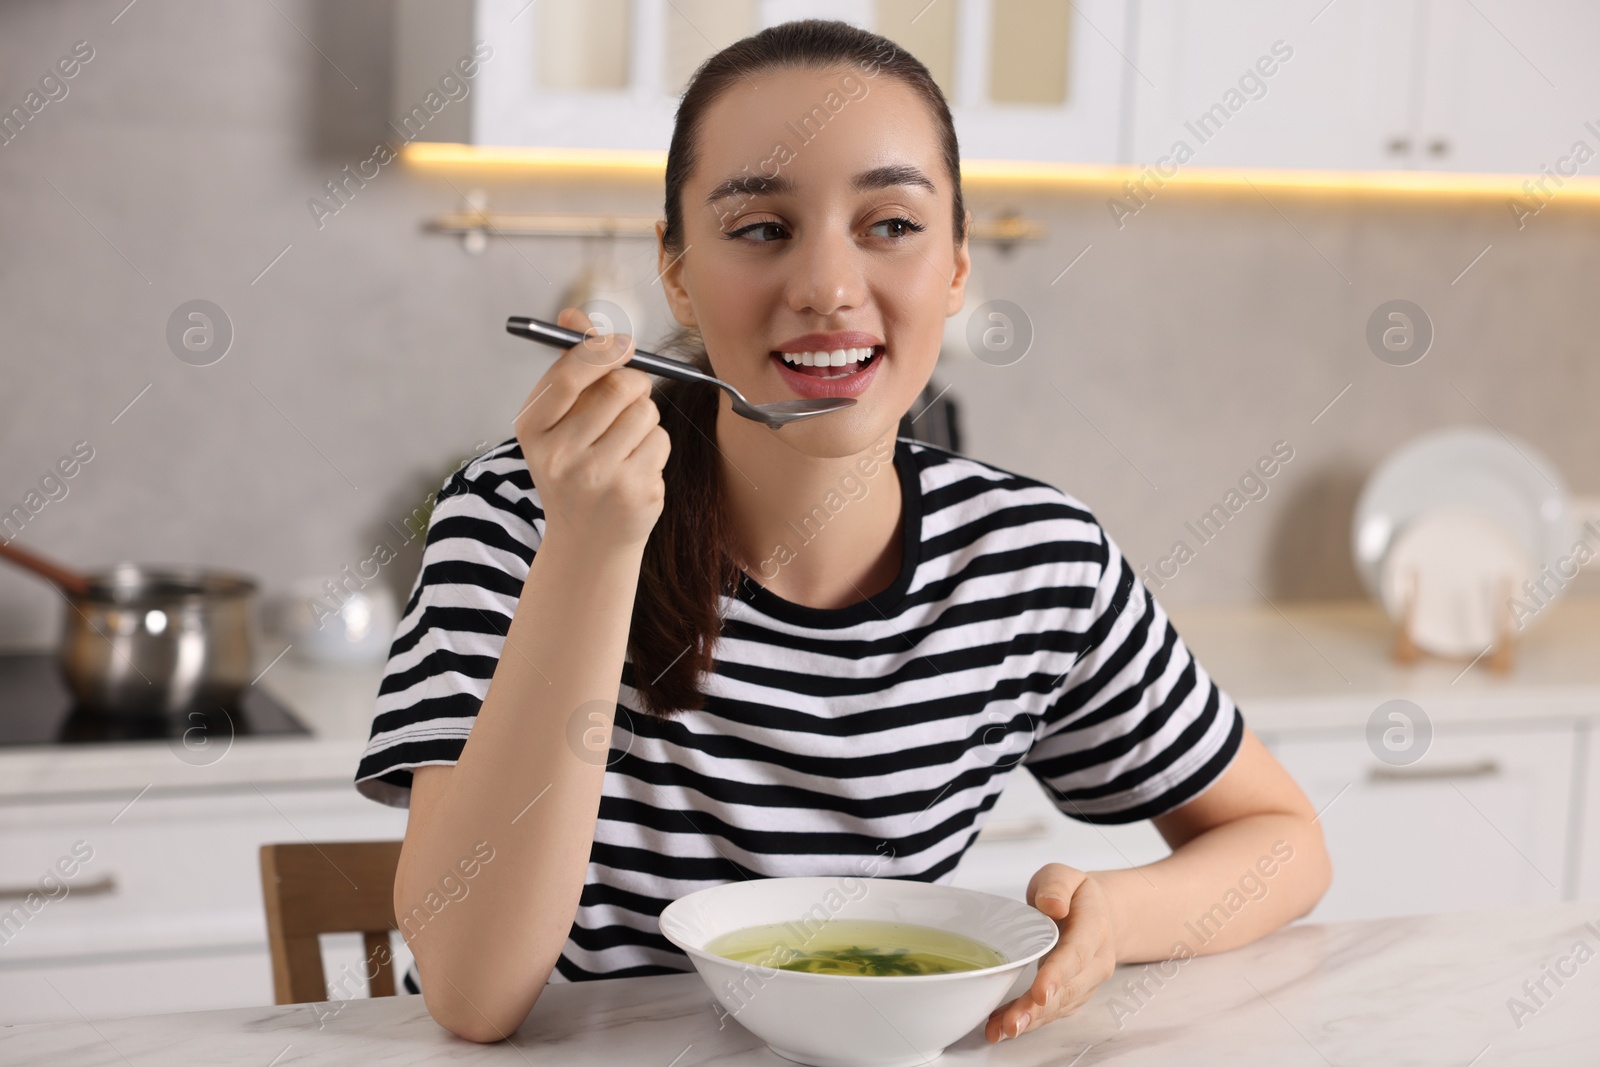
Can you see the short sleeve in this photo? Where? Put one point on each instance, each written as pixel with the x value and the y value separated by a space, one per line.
pixel 485 526
pixel 1136 727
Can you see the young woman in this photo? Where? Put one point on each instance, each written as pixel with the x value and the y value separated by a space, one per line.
pixel 656 647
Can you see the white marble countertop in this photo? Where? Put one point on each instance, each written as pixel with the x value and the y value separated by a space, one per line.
pixel 1429 990
pixel 1304 667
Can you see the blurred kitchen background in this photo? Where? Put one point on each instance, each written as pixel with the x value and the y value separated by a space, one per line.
pixel 369 354
pixel 1175 317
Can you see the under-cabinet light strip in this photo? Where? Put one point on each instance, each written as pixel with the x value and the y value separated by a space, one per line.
pixel 1118 180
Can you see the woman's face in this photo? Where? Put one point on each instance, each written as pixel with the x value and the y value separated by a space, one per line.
pixel 811 244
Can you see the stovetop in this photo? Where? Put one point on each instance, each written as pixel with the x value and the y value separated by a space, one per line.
pixel 37 708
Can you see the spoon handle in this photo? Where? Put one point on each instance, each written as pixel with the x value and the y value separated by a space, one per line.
pixel 560 337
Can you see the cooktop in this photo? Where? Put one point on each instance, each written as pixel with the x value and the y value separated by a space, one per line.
pixel 37 708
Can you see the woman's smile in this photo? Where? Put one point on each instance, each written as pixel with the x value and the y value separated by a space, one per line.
pixel 830 364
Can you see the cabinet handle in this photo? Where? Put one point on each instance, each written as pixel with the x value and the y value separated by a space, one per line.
pixel 1399 146
pixel 105 884
pixel 1438 147
pixel 1487 768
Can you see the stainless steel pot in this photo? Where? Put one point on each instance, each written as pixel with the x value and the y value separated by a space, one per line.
pixel 159 641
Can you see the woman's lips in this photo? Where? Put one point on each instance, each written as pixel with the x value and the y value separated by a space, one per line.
pixel 810 385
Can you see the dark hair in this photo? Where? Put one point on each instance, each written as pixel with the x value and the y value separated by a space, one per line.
pixel 688 564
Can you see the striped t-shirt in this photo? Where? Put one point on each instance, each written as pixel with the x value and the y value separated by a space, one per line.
pixel 872 739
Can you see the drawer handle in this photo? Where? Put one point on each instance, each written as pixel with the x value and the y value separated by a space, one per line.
pixel 1487 768
pixel 105 884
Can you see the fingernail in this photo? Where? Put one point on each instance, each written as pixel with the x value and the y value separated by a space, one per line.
pixel 1022 1024
pixel 1049 992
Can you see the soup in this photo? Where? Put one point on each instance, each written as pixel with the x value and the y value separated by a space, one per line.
pixel 855 948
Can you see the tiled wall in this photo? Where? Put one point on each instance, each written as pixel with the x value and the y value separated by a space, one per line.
pixel 369 355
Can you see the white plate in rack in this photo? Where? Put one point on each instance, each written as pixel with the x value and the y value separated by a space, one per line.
pixel 1456 511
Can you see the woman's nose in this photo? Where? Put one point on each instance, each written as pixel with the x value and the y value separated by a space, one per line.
pixel 827 276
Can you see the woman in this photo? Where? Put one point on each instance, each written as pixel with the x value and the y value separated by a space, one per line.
pixel 656 647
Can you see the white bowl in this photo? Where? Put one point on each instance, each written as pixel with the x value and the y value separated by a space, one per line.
pixel 831 1020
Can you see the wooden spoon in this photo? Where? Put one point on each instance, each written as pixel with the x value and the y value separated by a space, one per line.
pixel 70 582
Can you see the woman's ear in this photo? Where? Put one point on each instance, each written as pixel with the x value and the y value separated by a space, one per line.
pixel 671 271
pixel 958 279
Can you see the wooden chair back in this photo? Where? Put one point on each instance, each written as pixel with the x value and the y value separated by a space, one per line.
pixel 332 887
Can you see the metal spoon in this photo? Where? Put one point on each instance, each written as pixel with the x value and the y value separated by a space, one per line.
pixel 773 415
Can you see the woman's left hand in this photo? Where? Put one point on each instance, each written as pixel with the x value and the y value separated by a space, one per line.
pixel 1082 958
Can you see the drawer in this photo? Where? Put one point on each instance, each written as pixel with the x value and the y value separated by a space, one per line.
pixel 1025 831
pixel 1481 821
pixel 160 983
pixel 153 984
pixel 163 872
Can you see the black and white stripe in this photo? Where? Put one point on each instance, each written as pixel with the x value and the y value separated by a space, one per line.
pixel 873 738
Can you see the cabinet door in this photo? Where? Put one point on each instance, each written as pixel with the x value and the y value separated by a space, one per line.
pixel 120 986
pixel 593 75
pixel 162 883
pixel 1511 87
pixel 167 871
pixel 1025 831
pixel 1481 821
pixel 1258 83
pixel 1088 48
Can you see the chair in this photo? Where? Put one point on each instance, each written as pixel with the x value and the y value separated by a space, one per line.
pixel 333 887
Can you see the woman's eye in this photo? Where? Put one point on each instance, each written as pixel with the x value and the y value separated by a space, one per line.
pixel 901 228
pixel 907 227
pixel 763 226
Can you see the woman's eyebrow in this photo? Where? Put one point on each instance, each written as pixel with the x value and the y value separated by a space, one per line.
pixel 753 185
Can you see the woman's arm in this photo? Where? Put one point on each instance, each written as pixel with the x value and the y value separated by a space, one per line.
pixel 527 782
pixel 519 786
pixel 1251 836
pixel 1248 857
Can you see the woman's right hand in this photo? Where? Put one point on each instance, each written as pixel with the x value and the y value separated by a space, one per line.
pixel 593 440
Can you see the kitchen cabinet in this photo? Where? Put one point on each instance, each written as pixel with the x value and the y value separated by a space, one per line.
pixel 1369 84
pixel 163 908
pixel 1251 83
pixel 1506 87
pixel 1351 85
pixel 1481 821
pixel 1025 831
pixel 607 74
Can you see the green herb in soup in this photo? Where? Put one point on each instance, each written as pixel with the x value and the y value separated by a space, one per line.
pixel 856 948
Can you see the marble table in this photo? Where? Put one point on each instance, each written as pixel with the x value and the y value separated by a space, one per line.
pixel 1464 990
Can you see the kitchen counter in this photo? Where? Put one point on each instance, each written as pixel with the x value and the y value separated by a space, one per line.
pixel 1320 665
pixel 1308 666
pixel 1416 991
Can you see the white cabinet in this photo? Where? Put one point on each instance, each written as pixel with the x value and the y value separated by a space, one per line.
pixel 1025 80
pixel 1025 831
pixel 1086 125
pixel 1481 821
pixel 1251 83
pixel 1507 86
pixel 1490 86
pixel 163 908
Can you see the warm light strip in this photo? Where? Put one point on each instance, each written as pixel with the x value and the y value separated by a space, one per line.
pixel 558 161
pixel 1025 173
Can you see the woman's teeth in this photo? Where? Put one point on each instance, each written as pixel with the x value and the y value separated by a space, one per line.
pixel 838 357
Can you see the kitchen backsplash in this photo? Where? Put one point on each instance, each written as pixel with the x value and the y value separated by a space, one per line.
pixel 1172 349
